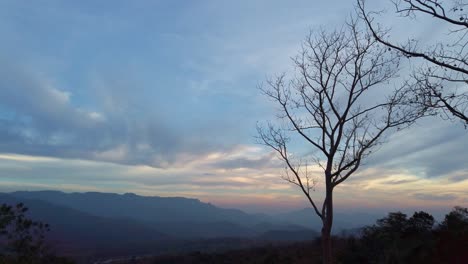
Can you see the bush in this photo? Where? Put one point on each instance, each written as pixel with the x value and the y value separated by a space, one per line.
pixel 22 240
pixel 398 239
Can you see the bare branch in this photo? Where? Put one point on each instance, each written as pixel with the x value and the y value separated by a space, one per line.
pixel 447 60
pixel 326 104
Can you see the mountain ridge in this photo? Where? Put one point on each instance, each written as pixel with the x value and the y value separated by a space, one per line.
pixel 177 217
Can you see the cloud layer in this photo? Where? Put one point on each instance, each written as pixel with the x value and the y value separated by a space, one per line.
pixel 161 98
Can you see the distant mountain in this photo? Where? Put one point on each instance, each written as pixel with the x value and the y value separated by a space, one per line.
pixel 108 224
pixel 303 217
pixel 342 221
pixel 73 230
pixel 178 217
pixel 148 209
pixel 190 218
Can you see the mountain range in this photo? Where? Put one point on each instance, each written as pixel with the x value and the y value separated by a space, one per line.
pixel 87 223
pixel 108 222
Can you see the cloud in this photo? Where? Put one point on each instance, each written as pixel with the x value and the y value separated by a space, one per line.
pixel 431 197
pixel 105 95
pixel 431 148
pixel 38 118
pixel 55 173
pixel 29 96
pixel 125 98
pixel 459 176
pixel 397 182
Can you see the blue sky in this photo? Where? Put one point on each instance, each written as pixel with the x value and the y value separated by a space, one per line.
pixel 161 98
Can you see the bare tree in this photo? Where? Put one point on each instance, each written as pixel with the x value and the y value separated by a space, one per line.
pixel 440 85
pixel 327 106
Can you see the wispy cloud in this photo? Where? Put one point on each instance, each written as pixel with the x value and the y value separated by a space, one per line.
pixel 161 98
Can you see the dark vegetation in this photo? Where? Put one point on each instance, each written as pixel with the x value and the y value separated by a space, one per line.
pixel 298 253
pixel 395 238
pixel 22 240
pixel 399 239
pixel 99 226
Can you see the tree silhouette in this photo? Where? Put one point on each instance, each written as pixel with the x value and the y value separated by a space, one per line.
pixel 327 106
pixel 452 234
pixel 398 239
pixel 456 220
pixel 439 85
pixel 420 222
pixel 22 240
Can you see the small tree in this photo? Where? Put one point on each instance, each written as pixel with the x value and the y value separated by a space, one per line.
pixel 22 240
pixel 420 222
pixel 456 221
pixel 440 84
pixel 327 105
pixel 393 239
pixel 453 237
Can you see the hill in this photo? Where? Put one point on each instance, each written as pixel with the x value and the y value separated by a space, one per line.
pixel 73 231
pixel 178 217
pixel 106 224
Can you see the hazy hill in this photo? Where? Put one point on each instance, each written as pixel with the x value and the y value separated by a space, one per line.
pixel 149 209
pixel 342 221
pixel 75 232
pixel 105 224
pixel 174 216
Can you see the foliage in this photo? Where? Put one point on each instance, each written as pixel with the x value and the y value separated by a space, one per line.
pixel 395 238
pixel 22 240
pixel 399 239
pixel 452 237
pixel 456 222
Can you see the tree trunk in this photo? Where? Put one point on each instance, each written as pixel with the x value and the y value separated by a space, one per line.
pixel 327 254
pixel 326 246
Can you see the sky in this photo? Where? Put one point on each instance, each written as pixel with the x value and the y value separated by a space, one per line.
pixel 161 98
